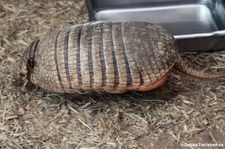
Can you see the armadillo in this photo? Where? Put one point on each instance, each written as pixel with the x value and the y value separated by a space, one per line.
pixel 112 57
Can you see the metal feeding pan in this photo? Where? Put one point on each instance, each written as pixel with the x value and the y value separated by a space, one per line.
pixel 197 25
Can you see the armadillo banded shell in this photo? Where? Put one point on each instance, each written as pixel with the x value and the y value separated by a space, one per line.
pixel 104 56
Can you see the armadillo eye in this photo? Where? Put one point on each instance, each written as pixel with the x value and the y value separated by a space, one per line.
pixel 22 76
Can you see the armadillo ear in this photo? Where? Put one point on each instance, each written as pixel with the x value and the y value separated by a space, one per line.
pixel 33 47
pixel 30 64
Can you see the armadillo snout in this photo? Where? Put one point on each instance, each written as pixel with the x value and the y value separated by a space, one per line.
pixel 18 79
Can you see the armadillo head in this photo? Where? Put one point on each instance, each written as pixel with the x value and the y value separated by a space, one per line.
pixel 24 68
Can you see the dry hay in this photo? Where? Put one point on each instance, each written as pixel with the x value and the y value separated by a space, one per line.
pixel 185 110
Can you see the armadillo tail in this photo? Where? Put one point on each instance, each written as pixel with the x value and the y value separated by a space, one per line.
pixel 181 66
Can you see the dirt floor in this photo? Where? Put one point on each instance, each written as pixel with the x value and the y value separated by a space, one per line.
pixel 184 111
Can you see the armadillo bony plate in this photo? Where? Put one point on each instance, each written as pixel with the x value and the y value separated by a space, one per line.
pixel 197 25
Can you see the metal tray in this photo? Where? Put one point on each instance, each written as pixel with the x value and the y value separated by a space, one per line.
pixel 197 25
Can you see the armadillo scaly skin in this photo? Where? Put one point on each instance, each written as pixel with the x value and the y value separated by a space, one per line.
pixel 114 57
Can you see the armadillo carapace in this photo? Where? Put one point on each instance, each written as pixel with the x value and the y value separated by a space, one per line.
pixel 114 57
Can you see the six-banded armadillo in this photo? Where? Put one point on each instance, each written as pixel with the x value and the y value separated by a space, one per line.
pixel 102 56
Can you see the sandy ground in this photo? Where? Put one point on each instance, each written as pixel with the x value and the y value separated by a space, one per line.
pixel 185 110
